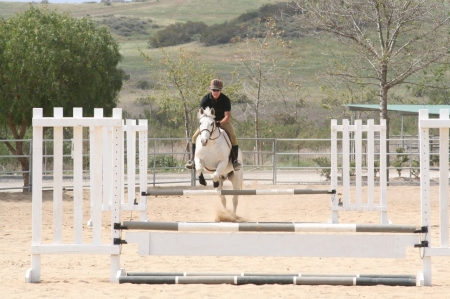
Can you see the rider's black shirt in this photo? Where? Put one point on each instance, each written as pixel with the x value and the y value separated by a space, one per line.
pixel 222 104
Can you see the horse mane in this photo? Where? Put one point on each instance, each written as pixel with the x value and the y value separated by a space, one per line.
pixel 206 112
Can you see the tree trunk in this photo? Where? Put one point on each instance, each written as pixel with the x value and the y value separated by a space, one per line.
pixel 25 162
pixel 256 136
pixel 384 115
pixel 18 150
pixel 187 131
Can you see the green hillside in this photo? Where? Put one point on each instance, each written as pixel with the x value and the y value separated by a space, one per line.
pixel 157 15
pixel 163 12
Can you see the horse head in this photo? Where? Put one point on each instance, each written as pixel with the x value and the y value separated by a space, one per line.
pixel 207 124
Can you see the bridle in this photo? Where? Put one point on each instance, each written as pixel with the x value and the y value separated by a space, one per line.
pixel 215 127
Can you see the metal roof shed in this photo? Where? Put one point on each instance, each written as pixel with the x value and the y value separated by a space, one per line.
pixel 402 109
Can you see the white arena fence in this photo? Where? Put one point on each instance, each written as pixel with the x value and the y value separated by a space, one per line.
pixel 251 239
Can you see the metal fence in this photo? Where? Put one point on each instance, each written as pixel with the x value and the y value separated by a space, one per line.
pixel 278 161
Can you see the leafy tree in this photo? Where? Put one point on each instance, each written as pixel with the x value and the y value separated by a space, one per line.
pixel 184 80
pixel 51 60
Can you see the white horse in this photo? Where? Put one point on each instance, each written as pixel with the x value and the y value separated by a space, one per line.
pixel 212 155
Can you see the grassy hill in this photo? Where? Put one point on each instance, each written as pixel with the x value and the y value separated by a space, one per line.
pixel 158 14
pixel 163 12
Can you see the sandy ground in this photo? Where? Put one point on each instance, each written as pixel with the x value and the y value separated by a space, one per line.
pixel 77 276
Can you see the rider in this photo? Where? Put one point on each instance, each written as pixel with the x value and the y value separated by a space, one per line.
pixel 222 106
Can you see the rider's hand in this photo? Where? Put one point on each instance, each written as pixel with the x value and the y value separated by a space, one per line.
pixel 218 123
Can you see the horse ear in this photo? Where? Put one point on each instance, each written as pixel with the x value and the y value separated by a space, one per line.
pixel 213 112
pixel 201 110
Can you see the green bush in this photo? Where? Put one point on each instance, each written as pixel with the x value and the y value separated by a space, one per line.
pixel 143 84
pixel 415 172
pixel 220 34
pixel 127 26
pixel 376 165
pixel 325 163
pixel 434 160
pixel 352 168
pixel 249 24
pixel 400 161
pixel 178 33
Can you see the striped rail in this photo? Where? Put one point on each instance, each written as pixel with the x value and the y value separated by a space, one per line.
pixel 268 227
pixel 259 279
pixel 236 192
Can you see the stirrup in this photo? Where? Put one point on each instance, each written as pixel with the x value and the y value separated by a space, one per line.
pixel 237 165
pixel 190 165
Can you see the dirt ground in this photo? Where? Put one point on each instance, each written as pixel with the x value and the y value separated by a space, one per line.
pixel 76 276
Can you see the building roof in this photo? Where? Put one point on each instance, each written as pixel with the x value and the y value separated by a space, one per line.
pixel 403 109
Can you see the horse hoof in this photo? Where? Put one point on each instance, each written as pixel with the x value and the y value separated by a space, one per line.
pixel 202 181
pixel 216 184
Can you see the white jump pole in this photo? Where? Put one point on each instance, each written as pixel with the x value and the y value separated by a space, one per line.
pixel 238 192
pixel 268 227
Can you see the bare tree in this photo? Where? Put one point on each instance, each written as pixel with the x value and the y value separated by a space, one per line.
pixel 392 39
pixel 264 78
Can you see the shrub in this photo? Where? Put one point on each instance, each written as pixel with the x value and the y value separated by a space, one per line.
pixel 415 171
pixel 376 165
pixel 126 26
pixel 434 160
pixel 400 161
pixel 162 161
pixel 325 163
pixel 352 168
pixel 178 33
pixel 143 84
pixel 220 34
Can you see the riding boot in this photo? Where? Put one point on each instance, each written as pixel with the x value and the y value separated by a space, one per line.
pixel 235 153
pixel 190 164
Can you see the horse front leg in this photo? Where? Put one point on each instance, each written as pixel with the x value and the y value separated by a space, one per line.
pixel 223 199
pixel 219 169
pixel 198 168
